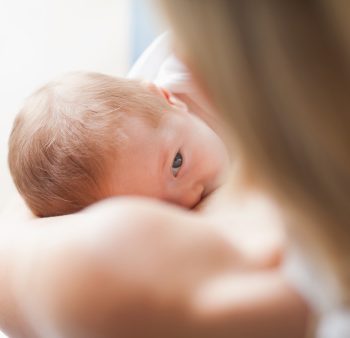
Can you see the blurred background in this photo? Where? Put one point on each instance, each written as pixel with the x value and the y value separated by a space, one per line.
pixel 40 39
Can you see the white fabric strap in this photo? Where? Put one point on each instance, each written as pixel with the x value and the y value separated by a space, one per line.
pixel 147 65
pixel 159 65
pixel 319 289
pixel 335 324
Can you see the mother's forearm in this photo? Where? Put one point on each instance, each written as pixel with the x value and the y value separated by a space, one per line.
pixel 98 272
pixel 13 319
pixel 123 268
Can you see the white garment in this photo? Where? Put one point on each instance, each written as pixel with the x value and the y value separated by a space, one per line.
pixel 158 64
pixel 2 335
pixel 319 288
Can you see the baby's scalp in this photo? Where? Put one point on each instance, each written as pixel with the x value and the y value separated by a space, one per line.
pixel 68 132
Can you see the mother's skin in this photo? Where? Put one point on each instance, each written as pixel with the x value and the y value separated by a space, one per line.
pixel 138 268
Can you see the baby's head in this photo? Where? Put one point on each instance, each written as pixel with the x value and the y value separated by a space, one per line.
pixel 88 136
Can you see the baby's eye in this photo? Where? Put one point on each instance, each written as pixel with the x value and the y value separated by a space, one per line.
pixel 177 163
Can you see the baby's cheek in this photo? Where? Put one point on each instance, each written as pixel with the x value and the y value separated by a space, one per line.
pixel 217 164
pixel 183 196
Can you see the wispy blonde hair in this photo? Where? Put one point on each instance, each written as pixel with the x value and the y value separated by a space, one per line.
pixel 66 138
pixel 279 73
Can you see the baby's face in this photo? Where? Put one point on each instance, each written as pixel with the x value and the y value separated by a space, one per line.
pixel 181 161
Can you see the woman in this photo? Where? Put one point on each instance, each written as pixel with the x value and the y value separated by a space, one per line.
pixel 278 71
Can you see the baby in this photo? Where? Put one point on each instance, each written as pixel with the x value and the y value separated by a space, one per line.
pixel 89 136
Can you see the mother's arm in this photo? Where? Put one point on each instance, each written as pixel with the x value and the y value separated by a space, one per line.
pixel 135 268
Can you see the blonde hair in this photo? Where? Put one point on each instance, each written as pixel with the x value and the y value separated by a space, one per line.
pixel 278 72
pixel 67 135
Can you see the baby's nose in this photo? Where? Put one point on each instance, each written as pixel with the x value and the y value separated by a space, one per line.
pixel 192 196
pixel 207 180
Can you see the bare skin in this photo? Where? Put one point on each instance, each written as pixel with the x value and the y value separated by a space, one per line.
pixel 176 273
pixel 127 261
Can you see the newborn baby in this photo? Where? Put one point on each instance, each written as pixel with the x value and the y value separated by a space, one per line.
pixel 89 136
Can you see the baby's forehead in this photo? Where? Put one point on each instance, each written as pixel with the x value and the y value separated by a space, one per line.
pixel 149 110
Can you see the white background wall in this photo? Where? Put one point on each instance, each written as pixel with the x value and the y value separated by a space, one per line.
pixel 40 39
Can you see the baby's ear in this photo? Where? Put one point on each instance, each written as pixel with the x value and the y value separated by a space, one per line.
pixel 166 94
pixel 176 102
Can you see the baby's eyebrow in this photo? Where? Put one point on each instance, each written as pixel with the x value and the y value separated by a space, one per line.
pixel 167 142
pixel 163 159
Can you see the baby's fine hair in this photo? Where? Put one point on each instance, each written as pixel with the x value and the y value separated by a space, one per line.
pixel 67 135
